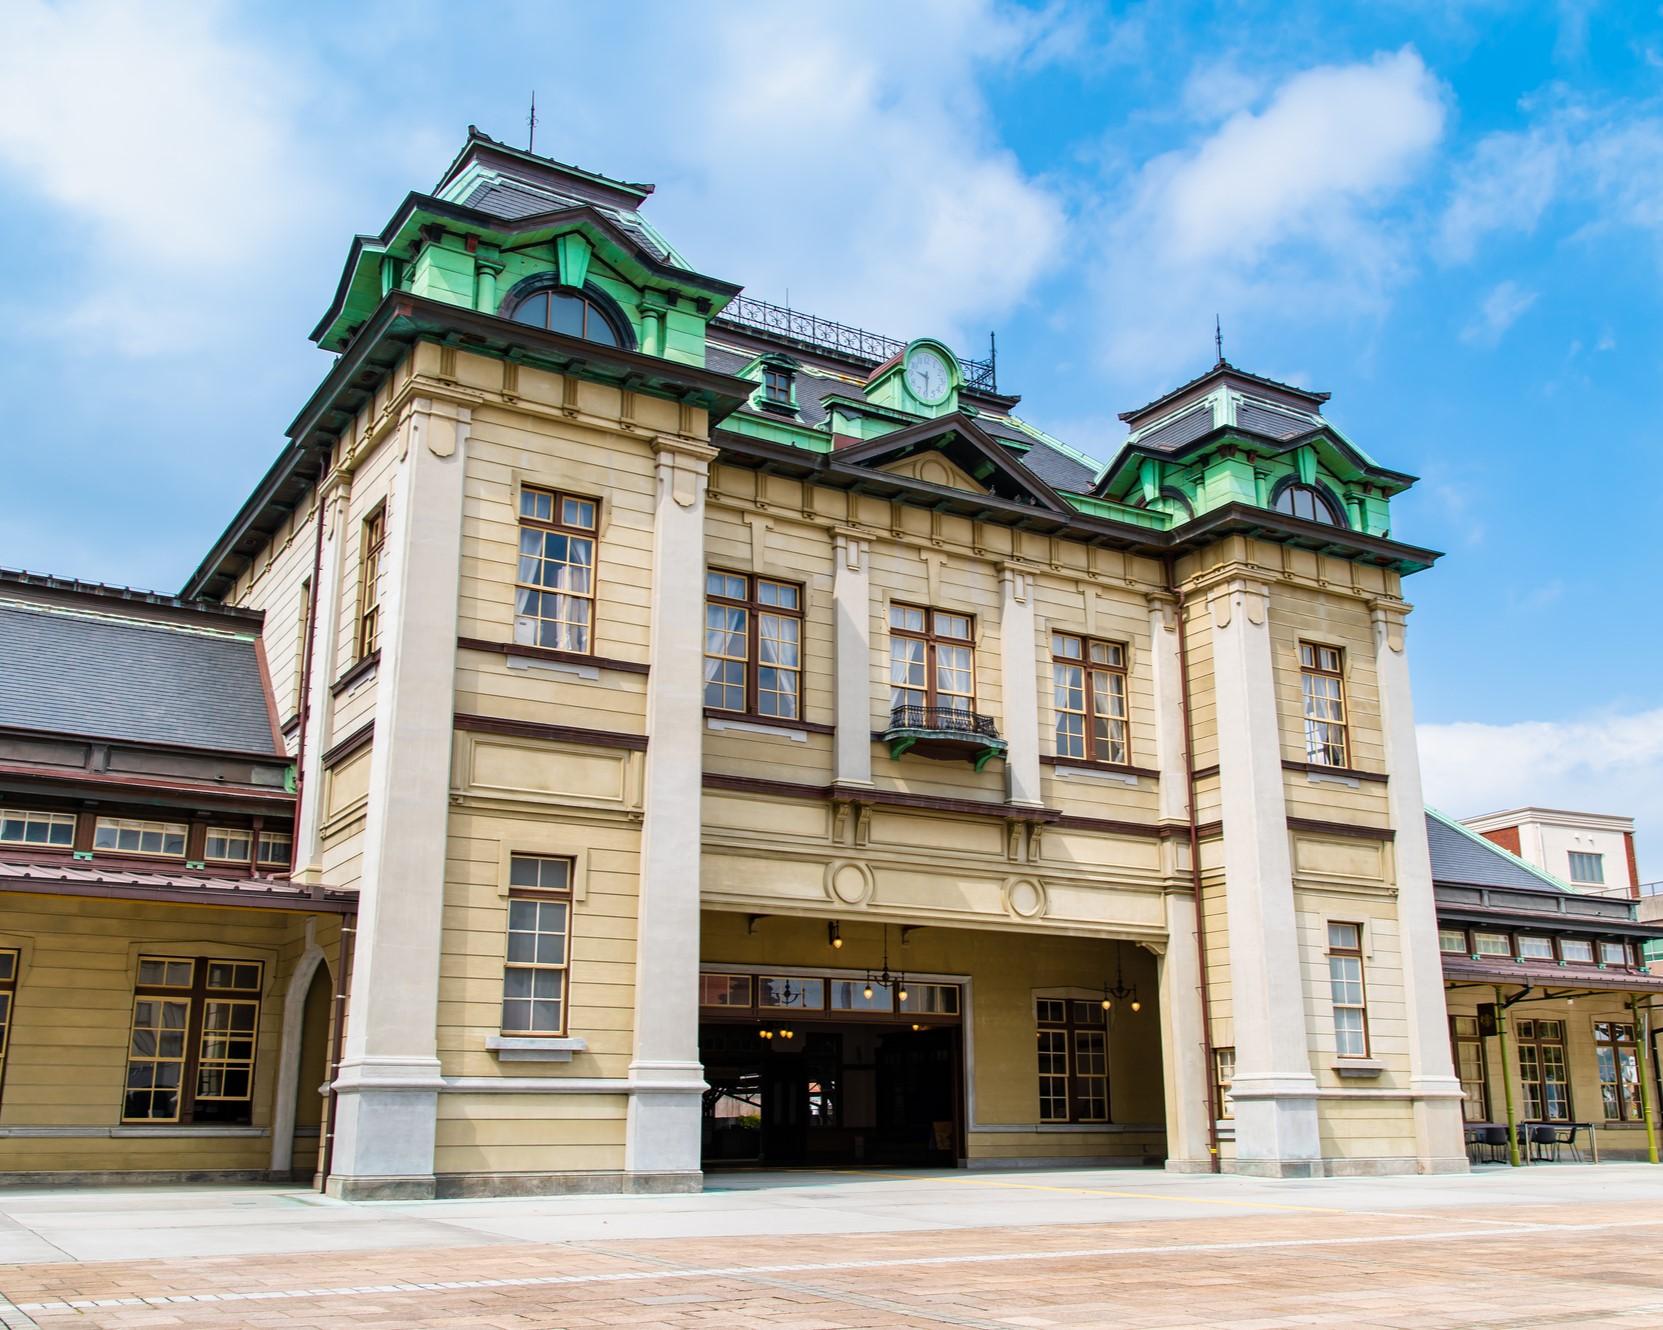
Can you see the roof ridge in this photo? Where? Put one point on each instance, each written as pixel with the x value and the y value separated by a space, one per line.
pixel 124 620
pixel 1503 852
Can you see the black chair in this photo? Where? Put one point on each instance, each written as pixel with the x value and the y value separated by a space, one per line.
pixel 1494 1141
pixel 1552 1139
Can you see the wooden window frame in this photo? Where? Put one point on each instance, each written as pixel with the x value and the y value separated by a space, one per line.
pixel 777 383
pixel 1629 1100
pixel 558 499
pixel 932 640
pixel 1534 1041
pixel 539 895
pixel 1088 700
pixel 196 999
pixel 1479 1112
pixel 1311 667
pixel 11 963
pixel 140 822
pixel 1627 956
pixel 1593 951
pixel 1223 1081
pixel 1337 953
pixel 1466 942
pixel 260 860
pixel 252 836
pixel 1081 1016
pixel 754 609
pixel 51 817
pixel 372 549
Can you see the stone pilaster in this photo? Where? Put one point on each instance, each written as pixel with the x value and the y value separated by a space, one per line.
pixel 662 1133
pixel 1274 1090
pixel 1183 1056
pixel 852 609
pixel 1169 706
pixel 1439 1134
pixel 333 495
pixel 1020 670
pixel 389 1076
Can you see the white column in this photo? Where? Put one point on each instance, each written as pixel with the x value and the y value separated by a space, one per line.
pixel 1165 668
pixel 1183 1057
pixel 1273 1089
pixel 389 1075
pixel 1018 664
pixel 852 607
pixel 662 1133
pixel 333 493
pixel 1439 1132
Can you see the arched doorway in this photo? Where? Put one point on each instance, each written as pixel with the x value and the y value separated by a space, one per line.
pixel 314 1070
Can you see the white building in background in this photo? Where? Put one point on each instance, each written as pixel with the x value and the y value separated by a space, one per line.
pixel 1591 851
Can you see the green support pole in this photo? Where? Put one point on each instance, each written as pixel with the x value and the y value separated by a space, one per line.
pixel 1642 1047
pixel 1507 1084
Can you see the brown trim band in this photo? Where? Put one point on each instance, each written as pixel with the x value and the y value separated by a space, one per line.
pixel 1205 773
pixel 934 803
pixel 1347 829
pixel 1078 822
pixel 360 738
pixel 521 651
pixel 1344 773
pixel 291 725
pixel 1047 760
pixel 233 900
pixel 773 722
pixel 361 667
pixel 572 734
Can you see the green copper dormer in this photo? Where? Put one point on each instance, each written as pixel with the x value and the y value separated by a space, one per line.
pixel 924 380
pixel 529 239
pixel 1234 437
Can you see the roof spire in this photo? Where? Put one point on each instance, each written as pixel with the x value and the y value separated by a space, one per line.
pixel 531 124
pixel 1218 338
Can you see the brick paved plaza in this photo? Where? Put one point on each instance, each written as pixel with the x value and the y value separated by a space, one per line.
pixel 1550 1246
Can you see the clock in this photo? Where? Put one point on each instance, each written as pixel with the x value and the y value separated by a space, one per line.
pixel 929 378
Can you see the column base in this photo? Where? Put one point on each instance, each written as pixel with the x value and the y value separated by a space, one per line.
pixel 470 1185
pixel 662 1131
pixel 1276 1127
pixel 387 1112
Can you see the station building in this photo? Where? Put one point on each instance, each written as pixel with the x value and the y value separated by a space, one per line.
pixel 722 736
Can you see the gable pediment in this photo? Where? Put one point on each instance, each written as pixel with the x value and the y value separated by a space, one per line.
pixel 952 451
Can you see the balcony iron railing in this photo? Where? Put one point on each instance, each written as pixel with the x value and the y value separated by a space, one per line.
pixel 943 732
pixel 869 348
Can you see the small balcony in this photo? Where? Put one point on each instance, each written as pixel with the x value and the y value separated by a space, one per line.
pixel 944 733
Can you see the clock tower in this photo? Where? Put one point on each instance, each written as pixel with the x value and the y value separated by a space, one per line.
pixel 923 380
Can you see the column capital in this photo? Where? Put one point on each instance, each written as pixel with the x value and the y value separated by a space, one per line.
pixel 853 547
pixel 1388 616
pixel 1234 591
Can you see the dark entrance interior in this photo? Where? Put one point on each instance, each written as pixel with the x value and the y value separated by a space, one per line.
pixel 824 1092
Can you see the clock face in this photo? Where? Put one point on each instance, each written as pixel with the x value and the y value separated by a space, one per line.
pixel 928 377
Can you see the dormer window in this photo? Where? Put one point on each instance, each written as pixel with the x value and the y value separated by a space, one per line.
pixel 1308 502
pixel 564 310
pixel 776 386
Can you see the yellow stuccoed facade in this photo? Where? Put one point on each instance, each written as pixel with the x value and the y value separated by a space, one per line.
pixel 797 826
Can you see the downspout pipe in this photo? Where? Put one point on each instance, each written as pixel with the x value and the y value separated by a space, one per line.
pixel 1215 1163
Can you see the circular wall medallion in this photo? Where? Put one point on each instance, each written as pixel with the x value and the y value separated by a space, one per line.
pixel 1024 897
pixel 848 882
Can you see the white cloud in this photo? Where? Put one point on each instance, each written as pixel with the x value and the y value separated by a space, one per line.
pixel 1281 212
pixel 1505 185
pixel 863 176
pixel 1599 764
pixel 1500 309
pixel 151 123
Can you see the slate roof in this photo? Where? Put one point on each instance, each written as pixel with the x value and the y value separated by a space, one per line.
pixel 511 201
pixel 119 677
pixel 275 893
pixel 1461 857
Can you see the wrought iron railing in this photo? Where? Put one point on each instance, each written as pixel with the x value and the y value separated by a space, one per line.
pixel 947 720
pixel 810 331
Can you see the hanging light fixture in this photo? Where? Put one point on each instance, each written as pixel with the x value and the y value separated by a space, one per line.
pixel 883 978
pixel 1119 991
pixel 834 935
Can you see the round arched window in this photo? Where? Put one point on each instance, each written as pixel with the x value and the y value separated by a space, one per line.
pixel 1309 502
pixel 563 310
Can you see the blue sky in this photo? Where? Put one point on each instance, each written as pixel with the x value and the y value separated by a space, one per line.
pixel 1448 215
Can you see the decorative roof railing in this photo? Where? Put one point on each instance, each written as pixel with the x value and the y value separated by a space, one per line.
pixel 817 334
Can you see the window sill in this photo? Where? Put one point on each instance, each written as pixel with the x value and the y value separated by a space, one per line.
pixel 535 1048
pixel 1358 1068
pixel 1348 774
pixel 362 670
pixel 1073 768
pixel 522 655
pixel 748 723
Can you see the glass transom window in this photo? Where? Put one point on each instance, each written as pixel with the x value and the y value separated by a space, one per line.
pixel 228 845
pixel 126 836
pixel 26 826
